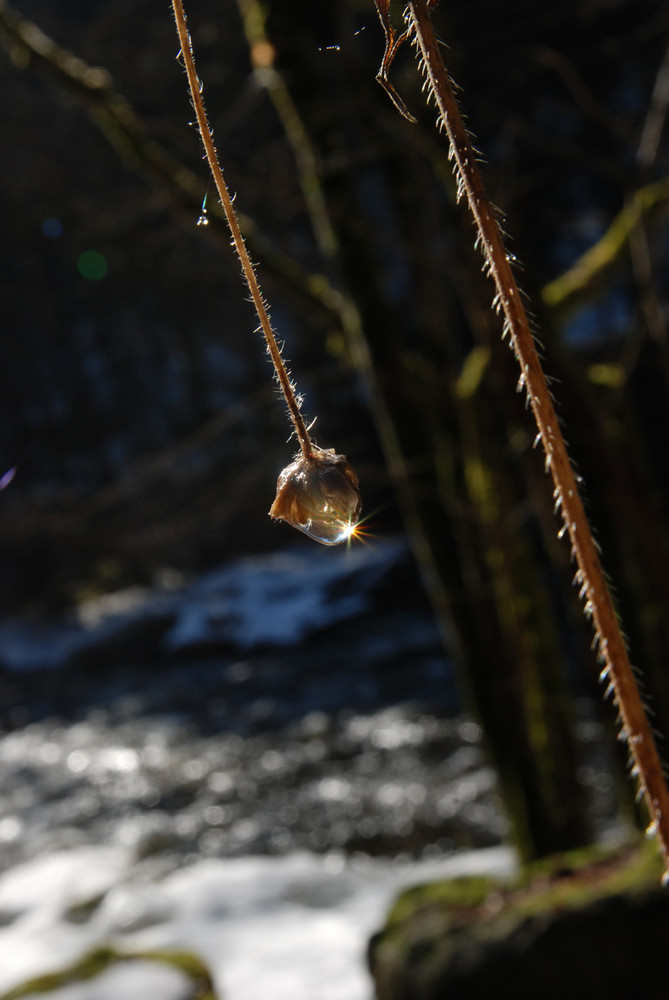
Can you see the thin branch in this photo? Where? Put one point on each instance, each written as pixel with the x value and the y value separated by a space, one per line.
pixel 393 43
pixel 653 127
pixel 262 55
pixel 617 671
pixel 609 248
pixel 238 240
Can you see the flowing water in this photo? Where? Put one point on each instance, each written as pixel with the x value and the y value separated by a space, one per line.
pixel 272 750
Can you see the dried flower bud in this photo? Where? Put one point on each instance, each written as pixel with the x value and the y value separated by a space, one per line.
pixel 319 496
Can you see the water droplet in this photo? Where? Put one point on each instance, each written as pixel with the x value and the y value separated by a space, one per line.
pixel 319 496
pixel 203 220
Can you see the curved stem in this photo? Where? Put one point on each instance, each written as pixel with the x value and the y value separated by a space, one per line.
pixel 237 238
pixel 617 670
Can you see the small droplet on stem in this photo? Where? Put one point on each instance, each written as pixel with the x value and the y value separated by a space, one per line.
pixel 203 220
pixel 319 496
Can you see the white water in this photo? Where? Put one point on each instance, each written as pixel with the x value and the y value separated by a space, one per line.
pixel 289 928
pixel 275 600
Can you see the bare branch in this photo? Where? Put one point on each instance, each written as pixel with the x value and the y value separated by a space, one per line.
pixel 590 577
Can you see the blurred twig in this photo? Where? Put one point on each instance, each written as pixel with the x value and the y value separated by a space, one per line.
pixel 608 250
pixel 28 45
pixel 262 54
pixel 640 246
pixel 656 117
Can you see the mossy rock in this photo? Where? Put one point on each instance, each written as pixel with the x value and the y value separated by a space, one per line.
pixel 99 961
pixel 570 928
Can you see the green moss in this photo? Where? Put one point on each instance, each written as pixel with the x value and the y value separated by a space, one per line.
pixel 422 925
pixel 427 913
pixel 578 878
pixel 88 967
pixel 457 894
pixel 191 965
pixel 98 961
pixel 458 937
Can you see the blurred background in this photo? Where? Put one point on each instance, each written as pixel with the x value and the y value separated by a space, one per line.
pixel 142 433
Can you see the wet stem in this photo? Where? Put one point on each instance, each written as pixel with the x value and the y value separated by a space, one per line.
pixel 250 278
pixel 616 669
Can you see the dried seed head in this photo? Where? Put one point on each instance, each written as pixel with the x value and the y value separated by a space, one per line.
pixel 319 496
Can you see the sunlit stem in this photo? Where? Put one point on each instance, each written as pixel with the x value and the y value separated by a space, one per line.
pixel 590 577
pixel 238 240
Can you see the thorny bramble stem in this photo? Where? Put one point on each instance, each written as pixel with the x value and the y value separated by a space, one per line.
pixel 617 671
pixel 237 238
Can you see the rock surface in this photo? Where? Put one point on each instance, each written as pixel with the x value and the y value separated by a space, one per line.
pixel 600 929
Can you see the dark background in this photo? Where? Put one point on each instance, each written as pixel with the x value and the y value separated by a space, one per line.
pixel 138 407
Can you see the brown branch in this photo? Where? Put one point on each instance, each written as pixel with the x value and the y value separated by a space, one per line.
pixel 238 240
pixel 617 670
pixel 393 43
